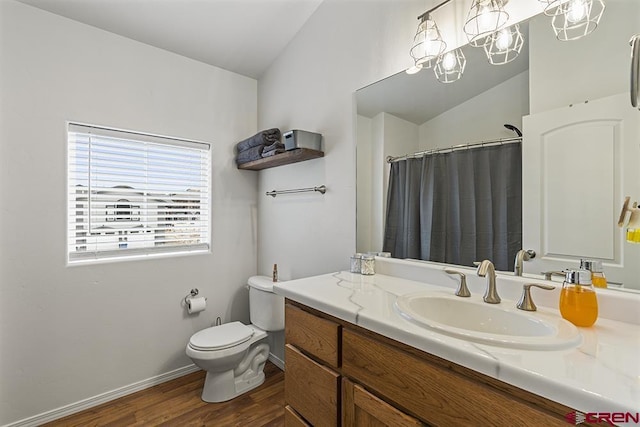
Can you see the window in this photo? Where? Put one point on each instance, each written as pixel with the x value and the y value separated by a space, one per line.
pixel 135 194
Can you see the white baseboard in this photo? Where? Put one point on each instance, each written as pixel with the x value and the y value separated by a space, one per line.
pixel 276 361
pixel 73 408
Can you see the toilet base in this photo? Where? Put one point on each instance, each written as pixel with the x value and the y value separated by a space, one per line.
pixel 221 386
pixel 247 375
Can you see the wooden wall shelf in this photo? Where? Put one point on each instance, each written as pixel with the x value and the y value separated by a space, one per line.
pixel 293 156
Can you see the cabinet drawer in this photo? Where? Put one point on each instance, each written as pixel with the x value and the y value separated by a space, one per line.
pixel 362 409
pixel 311 389
pixel 317 336
pixel 292 419
pixel 432 392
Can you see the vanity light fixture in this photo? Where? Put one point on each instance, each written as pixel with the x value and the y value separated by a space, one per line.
pixel 484 18
pixel 427 43
pixel 450 66
pixel 505 45
pixel 575 19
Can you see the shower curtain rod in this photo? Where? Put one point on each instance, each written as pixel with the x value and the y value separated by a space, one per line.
pixel 489 142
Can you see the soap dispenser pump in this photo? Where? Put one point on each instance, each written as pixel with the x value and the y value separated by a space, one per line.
pixel 597 275
pixel 578 302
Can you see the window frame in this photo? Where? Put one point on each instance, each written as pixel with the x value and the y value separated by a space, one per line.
pixel 118 255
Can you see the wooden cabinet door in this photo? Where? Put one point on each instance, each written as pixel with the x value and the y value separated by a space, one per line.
pixel 318 337
pixel 312 390
pixel 293 419
pixel 432 392
pixel 362 409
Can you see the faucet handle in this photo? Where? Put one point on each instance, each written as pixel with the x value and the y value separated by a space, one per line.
pixel 462 290
pixel 526 302
pixel 548 274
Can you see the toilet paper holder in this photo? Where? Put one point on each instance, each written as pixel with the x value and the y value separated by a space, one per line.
pixel 192 294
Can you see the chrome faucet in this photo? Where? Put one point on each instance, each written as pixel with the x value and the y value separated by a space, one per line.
pixel 486 269
pixel 521 256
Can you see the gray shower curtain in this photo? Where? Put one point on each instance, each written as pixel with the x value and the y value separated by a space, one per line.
pixel 457 207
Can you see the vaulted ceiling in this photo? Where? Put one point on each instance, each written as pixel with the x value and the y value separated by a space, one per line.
pixel 243 36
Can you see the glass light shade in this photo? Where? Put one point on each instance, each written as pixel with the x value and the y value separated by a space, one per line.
pixel 484 18
pixel 550 6
pixel 427 43
pixel 413 70
pixel 575 19
pixel 450 66
pixel 505 45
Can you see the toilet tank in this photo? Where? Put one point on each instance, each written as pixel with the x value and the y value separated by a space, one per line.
pixel 265 307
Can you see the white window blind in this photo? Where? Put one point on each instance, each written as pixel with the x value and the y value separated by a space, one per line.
pixel 135 194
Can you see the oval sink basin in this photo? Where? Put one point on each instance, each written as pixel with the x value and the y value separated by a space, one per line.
pixel 496 324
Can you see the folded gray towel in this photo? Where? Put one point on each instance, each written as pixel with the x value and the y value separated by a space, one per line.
pixel 273 152
pixel 249 155
pixel 272 147
pixel 265 137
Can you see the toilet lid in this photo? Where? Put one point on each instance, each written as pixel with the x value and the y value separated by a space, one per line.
pixel 219 337
pixel 263 283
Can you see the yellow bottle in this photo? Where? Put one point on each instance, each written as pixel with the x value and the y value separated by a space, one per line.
pixel 597 275
pixel 633 226
pixel 578 301
pixel 633 235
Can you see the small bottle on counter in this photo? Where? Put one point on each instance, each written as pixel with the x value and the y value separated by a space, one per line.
pixel 275 272
pixel 578 302
pixel 597 275
pixel 356 263
pixel 368 265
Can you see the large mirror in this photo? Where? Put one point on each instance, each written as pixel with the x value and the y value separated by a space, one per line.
pixel 580 151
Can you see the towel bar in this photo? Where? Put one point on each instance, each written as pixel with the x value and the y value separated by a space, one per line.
pixel 322 189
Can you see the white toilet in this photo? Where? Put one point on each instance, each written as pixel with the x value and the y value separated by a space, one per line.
pixel 234 354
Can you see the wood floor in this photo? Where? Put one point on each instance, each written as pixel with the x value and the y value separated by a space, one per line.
pixel 178 403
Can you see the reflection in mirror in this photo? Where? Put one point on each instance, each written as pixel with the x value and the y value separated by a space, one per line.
pixel 579 151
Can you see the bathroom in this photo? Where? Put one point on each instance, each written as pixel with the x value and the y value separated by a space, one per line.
pixel 72 333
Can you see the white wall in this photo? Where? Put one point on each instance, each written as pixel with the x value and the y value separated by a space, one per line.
pixel 384 135
pixel 70 333
pixel 581 80
pixel 364 179
pixel 344 46
pixel 377 178
pixel 400 137
pixel 464 123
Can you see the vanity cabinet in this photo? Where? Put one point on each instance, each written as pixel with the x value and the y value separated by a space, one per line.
pixel 363 409
pixel 312 357
pixel 338 373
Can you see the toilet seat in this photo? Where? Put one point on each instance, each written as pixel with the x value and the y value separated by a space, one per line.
pixel 221 337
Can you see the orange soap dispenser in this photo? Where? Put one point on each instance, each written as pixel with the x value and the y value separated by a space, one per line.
pixel 578 302
pixel 597 275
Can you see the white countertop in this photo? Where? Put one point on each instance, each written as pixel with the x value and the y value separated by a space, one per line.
pixel 600 375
